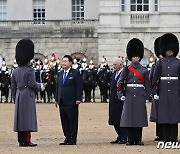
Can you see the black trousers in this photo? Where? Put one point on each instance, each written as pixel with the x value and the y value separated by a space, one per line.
pixel 134 134
pixel 69 121
pixel 170 132
pixel 24 137
pixel 122 133
pixel 159 132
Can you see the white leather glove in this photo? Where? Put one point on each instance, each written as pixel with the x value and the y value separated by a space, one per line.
pixel 42 87
pixel 123 98
pixel 156 97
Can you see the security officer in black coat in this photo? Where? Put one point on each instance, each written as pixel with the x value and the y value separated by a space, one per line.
pixel 116 105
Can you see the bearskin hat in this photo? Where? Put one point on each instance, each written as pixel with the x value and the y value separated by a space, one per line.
pixel 135 48
pixel 169 41
pixel 24 52
pixel 156 47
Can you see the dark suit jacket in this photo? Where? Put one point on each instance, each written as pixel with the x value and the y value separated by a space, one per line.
pixel 71 90
pixel 115 104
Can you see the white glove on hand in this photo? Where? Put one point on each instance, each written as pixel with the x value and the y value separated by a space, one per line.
pixel 42 87
pixel 156 97
pixel 123 98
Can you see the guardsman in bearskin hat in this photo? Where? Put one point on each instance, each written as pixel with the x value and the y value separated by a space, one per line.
pixel 166 78
pixel 154 105
pixel 23 86
pixel 134 89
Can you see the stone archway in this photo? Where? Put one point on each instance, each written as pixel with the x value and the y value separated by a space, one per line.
pixel 39 56
pixel 148 57
pixel 79 56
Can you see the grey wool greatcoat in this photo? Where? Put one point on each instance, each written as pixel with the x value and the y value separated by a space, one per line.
pixel 134 112
pixel 115 104
pixel 169 94
pixel 155 103
pixel 24 85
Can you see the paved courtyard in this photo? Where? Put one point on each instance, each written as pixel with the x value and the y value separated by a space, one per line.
pixel 94 133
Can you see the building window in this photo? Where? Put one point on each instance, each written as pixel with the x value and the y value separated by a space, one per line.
pixel 39 10
pixel 156 5
pixel 139 5
pixel 3 9
pixel 78 9
pixel 122 5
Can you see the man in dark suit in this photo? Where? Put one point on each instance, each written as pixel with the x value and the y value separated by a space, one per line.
pixel 116 105
pixel 68 97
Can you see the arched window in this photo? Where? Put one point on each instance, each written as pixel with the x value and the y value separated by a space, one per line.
pixel 139 5
pixel 78 9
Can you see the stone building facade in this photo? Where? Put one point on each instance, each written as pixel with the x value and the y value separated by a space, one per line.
pixel 94 28
pixel 122 20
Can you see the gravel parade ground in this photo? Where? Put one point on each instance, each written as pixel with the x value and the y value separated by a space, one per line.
pixel 93 137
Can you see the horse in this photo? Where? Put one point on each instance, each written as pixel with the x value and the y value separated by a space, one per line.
pixel 89 84
pixel 4 87
pixel 104 79
pixel 50 80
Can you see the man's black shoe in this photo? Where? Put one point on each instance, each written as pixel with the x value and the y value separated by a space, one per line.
pixel 122 142
pixel 71 143
pixel 114 142
pixel 158 139
pixel 30 144
pixel 63 143
pixel 27 144
pixel 130 143
pixel 139 143
pixel 21 144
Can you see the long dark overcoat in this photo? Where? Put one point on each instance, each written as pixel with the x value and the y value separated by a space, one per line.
pixel 134 112
pixel 169 95
pixel 155 103
pixel 115 104
pixel 24 85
